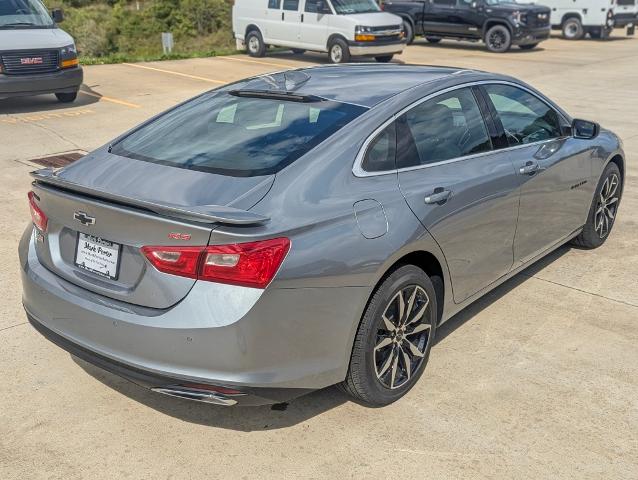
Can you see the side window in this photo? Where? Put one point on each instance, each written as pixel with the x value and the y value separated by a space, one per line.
pixel 525 118
pixel 445 127
pixel 310 6
pixel 275 4
pixel 291 5
pixel 381 153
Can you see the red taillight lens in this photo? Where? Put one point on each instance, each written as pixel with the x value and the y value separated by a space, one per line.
pixel 38 217
pixel 182 261
pixel 247 264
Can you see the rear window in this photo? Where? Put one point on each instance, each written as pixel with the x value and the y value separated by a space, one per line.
pixel 236 136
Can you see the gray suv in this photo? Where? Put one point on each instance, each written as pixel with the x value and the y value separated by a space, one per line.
pixel 36 56
pixel 279 235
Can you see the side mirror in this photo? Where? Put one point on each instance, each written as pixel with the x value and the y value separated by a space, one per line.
pixel 584 129
pixel 57 15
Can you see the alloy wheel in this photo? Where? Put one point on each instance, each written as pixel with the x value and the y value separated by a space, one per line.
pixel 403 336
pixel 497 40
pixel 606 206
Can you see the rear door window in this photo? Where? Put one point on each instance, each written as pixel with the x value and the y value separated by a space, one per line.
pixel 443 128
pixel 381 153
pixel 292 5
pixel 237 136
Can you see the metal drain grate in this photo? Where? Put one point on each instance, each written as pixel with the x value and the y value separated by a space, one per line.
pixel 59 160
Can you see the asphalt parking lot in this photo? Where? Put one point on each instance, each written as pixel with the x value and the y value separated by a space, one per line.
pixel 539 379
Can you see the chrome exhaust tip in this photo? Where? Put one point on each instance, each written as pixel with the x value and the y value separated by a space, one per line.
pixel 198 395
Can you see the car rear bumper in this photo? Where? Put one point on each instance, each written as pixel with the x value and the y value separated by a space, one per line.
pixel 283 343
pixel 375 48
pixel 63 81
pixel 530 36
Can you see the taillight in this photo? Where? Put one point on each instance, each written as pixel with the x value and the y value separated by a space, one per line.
pixel 182 261
pixel 38 217
pixel 251 264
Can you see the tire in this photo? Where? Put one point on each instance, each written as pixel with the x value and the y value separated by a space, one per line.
pixel 384 58
pixel 529 46
pixel 298 51
pixel 67 97
pixel 573 29
pixel 595 33
pixel 408 32
pixel 498 39
pixel 338 51
pixel 255 45
pixel 378 376
pixel 599 223
pixel 433 39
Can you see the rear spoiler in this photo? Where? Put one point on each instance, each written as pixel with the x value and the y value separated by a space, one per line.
pixel 198 213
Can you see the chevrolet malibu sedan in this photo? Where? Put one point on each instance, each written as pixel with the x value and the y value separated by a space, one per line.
pixel 308 228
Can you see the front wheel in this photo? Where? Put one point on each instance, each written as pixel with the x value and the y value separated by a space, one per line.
pixel 384 58
pixel 529 46
pixel 603 209
pixel 573 29
pixel 67 97
pixel 498 39
pixel 255 44
pixel 394 339
pixel 408 32
pixel 338 51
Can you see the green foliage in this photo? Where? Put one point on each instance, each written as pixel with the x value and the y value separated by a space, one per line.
pixel 123 30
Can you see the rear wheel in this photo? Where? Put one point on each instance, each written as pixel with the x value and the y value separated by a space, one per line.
pixel 603 209
pixel 573 29
pixel 394 339
pixel 408 32
pixel 255 44
pixel 67 97
pixel 384 58
pixel 433 39
pixel 498 39
pixel 338 51
pixel 529 46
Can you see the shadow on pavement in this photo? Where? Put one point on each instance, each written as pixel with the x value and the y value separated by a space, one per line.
pixel 248 419
pixel 48 102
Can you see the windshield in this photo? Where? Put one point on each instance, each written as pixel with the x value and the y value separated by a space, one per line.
pixel 237 136
pixel 24 14
pixel 345 7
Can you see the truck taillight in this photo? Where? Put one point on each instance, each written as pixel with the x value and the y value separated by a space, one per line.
pixel 38 217
pixel 251 264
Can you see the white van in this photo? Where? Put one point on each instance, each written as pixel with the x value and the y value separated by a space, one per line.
pixel 598 18
pixel 35 55
pixel 343 28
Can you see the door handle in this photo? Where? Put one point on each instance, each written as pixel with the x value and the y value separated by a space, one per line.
pixel 302 18
pixel 439 196
pixel 530 168
pixel 282 16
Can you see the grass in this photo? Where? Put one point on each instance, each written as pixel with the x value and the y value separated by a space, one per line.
pixel 122 58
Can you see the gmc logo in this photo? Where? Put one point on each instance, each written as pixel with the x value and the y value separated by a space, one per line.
pixel 31 61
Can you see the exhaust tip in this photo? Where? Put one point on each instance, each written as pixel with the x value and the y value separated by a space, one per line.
pixel 207 395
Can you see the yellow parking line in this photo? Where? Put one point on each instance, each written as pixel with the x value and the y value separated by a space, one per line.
pixel 195 77
pixel 236 59
pixel 112 100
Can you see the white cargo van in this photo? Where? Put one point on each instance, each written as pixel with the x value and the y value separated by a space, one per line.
pixel 35 55
pixel 576 18
pixel 343 28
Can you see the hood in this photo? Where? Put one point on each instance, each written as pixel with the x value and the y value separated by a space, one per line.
pixel 520 7
pixel 150 182
pixel 33 38
pixel 374 19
